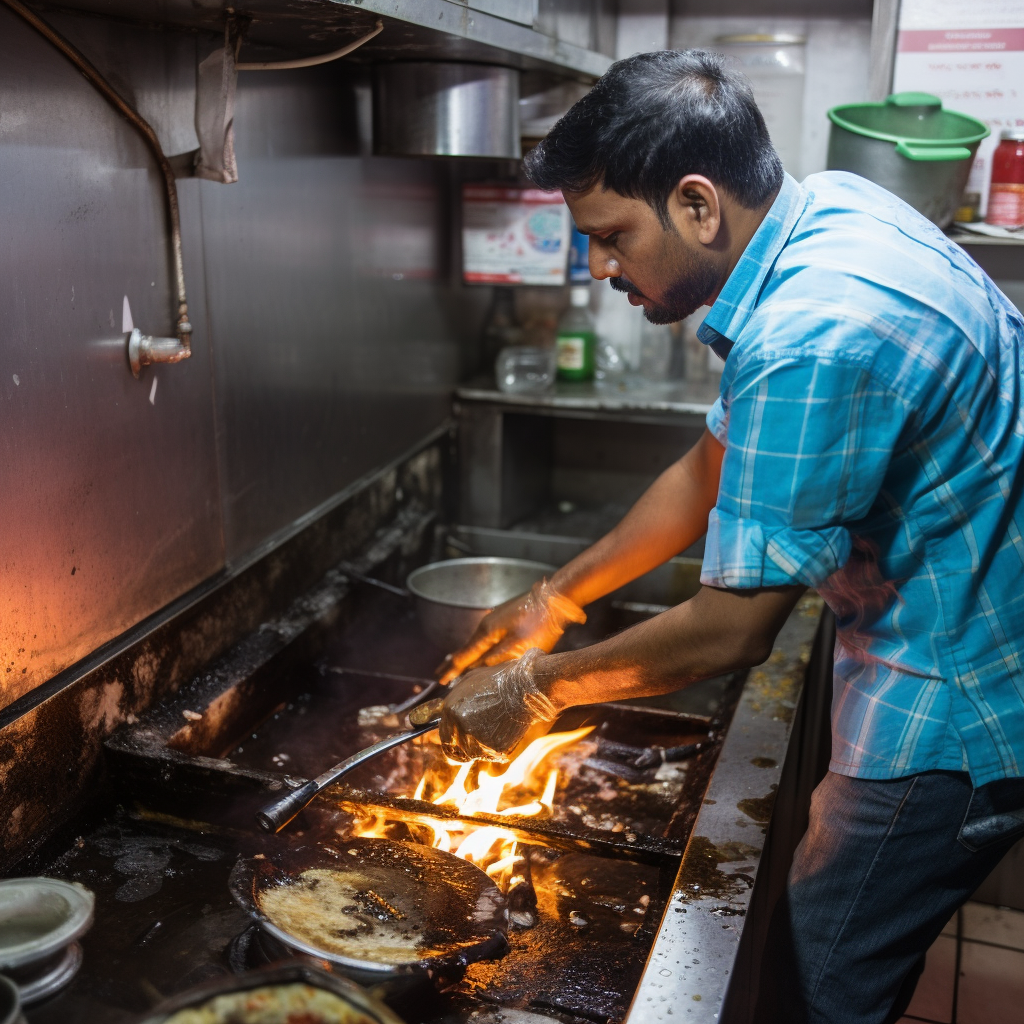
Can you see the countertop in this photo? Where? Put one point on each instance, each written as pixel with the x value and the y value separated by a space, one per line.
pixel 628 396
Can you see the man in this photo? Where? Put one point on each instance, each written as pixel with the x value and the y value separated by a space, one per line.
pixel 867 442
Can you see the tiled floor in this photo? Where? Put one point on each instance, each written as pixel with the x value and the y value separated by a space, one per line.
pixel 974 973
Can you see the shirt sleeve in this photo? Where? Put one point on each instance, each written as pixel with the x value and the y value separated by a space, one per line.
pixel 807 445
pixel 718 421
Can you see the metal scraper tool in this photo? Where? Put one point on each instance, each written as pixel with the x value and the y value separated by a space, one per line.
pixel 274 816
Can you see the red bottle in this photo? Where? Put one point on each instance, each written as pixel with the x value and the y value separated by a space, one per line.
pixel 1006 196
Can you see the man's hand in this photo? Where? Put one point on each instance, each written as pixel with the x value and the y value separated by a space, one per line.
pixel 671 515
pixel 534 619
pixel 489 711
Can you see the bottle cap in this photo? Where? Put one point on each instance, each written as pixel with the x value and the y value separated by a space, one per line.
pixel 579 295
pixel 1013 134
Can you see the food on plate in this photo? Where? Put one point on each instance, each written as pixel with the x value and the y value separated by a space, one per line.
pixel 274 1004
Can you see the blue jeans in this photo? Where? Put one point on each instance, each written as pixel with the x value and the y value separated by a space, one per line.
pixel 882 868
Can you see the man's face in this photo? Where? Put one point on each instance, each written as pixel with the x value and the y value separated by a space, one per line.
pixel 658 267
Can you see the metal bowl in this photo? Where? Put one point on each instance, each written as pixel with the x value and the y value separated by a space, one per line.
pixel 40 921
pixel 453 596
pixel 10 1003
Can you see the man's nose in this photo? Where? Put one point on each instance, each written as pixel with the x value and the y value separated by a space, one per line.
pixel 602 265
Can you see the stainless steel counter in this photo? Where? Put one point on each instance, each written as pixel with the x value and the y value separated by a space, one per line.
pixel 639 401
pixel 698 948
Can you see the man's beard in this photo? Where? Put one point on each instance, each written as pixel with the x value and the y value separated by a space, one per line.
pixel 684 296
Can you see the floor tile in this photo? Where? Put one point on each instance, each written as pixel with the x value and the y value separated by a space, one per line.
pixel 933 997
pixel 950 926
pixel 994 924
pixel 991 985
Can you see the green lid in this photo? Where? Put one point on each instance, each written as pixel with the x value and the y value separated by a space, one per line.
pixel 914 99
pixel 914 121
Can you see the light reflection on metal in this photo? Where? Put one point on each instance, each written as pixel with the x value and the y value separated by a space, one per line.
pixel 446 109
pixel 696 953
pixel 144 349
pixel 183 327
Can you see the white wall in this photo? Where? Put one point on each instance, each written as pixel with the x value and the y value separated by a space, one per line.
pixel 836 58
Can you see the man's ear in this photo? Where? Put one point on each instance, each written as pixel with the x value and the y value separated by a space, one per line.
pixel 695 209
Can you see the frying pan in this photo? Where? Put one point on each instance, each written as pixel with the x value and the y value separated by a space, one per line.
pixel 410 910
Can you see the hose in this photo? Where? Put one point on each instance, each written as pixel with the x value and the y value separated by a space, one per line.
pixel 308 62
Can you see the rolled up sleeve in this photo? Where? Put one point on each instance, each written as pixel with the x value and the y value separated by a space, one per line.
pixel 807 445
pixel 718 421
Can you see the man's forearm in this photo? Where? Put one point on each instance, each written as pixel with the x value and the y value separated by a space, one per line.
pixel 715 632
pixel 671 515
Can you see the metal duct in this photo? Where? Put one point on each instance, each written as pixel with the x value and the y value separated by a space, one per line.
pixel 442 109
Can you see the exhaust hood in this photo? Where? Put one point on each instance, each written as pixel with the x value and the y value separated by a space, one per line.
pixel 471 31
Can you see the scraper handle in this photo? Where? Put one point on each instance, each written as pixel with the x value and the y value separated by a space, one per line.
pixel 274 816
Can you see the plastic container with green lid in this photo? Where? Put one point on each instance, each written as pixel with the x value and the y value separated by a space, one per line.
pixel 909 145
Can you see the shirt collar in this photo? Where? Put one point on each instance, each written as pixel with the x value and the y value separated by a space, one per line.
pixel 734 306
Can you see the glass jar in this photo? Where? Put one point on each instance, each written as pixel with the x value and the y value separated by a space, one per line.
pixel 655 352
pixel 774 63
pixel 1006 193
pixel 524 369
pixel 501 329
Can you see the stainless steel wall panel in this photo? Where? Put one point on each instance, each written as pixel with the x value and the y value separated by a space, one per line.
pixel 336 320
pixel 337 324
pixel 109 503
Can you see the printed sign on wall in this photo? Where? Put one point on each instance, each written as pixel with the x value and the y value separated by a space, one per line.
pixel 513 235
pixel 969 53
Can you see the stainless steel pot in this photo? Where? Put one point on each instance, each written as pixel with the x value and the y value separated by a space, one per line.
pixel 910 146
pixel 453 596
pixel 446 109
pixel 41 920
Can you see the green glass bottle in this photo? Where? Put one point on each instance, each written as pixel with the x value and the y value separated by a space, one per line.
pixel 576 341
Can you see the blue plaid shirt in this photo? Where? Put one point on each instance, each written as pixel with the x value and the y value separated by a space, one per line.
pixel 872 410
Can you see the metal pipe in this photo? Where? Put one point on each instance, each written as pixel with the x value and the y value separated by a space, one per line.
pixel 149 349
pixel 308 62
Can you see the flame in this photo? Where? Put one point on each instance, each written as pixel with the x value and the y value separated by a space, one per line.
pixel 475 790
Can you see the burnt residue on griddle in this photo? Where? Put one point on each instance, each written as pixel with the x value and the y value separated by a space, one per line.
pixel 321 726
pixel 375 904
pixel 586 953
pixel 759 808
pixel 774 685
pixel 700 876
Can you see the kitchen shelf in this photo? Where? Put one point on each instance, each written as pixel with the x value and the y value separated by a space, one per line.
pixel 413 30
pixel 974 238
pixel 630 401
pixel 544 461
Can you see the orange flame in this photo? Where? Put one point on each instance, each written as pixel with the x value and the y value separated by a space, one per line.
pixel 474 790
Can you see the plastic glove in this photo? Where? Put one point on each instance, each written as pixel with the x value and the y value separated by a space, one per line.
pixel 534 619
pixel 490 711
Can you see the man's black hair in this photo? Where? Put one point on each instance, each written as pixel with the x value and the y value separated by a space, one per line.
pixel 655 117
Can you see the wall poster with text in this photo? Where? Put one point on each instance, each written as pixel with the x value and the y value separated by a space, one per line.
pixel 969 53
